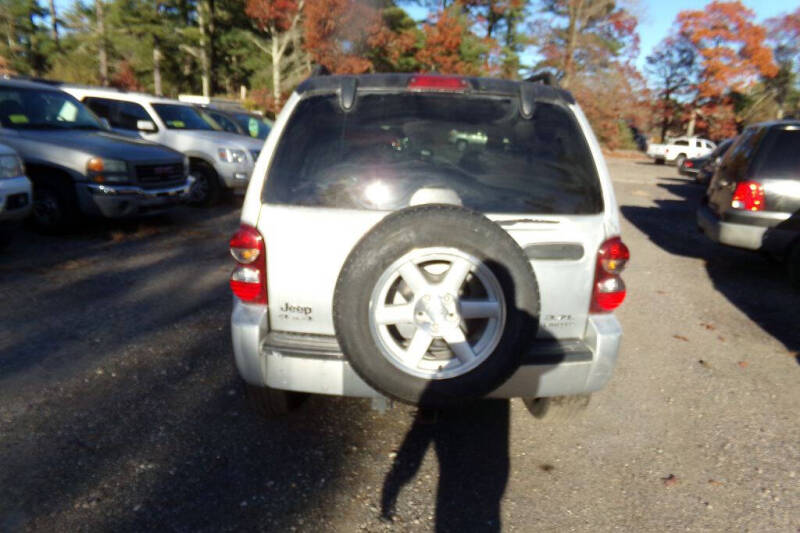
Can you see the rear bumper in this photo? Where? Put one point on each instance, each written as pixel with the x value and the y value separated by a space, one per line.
pixel 315 363
pixel 691 172
pixel 116 201
pixel 754 236
pixel 16 198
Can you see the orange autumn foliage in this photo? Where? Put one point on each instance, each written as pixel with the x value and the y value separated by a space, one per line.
pixel 730 45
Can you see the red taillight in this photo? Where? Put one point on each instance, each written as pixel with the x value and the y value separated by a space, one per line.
pixel 749 195
pixel 688 164
pixel 249 278
pixel 438 83
pixel 609 289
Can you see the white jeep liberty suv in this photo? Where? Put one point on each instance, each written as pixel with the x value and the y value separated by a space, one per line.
pixel 376 258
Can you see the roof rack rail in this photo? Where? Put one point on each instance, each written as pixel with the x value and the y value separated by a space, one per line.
pixel 547 78
pixel 35 79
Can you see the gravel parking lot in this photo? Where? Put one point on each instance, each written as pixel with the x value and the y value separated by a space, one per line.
pixel 120 409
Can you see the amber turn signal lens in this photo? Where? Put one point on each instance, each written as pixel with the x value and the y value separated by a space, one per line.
pixel 95 164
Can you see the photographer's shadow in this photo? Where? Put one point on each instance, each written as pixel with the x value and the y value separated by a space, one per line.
pixel 471 444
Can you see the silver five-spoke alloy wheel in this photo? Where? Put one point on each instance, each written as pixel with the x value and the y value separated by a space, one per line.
pixel 437 313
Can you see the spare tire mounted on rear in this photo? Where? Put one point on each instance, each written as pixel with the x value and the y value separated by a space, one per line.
pixel 435 305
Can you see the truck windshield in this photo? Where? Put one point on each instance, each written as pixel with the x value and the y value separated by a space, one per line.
pixel 392 150
pixel 23 108
pixel 181 117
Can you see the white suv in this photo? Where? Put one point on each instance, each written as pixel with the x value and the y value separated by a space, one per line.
pixel 218 160
pixel 378 259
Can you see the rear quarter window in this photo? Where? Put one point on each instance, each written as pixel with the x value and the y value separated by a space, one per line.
pixel 779 155
pixel 391 146
pixel 738 159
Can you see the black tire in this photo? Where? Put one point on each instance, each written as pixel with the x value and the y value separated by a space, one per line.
pixel 793 265
pixel 557 408
pixel 55 209
pixel 272 403
pixel 679 160
pixel 206 190
pixel 434 226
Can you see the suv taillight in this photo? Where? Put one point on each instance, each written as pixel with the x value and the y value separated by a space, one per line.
pixel 249 278
pixel 749 195
pixel 609 290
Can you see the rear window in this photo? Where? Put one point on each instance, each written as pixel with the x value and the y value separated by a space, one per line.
pixel 390 146
pixel 779 156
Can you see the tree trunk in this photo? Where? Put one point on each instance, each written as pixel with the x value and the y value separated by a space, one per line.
pixel 205 74
pixel 692 121
pixel 575 9
pixel 276 66
pixel 102 52
pixel 157 68
pixel 53 22
pixel 664 117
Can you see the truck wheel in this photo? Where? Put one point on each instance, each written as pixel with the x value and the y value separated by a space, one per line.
pixel 206 189
pixel 679 160
pixel 271 403
pixel 557 408
pixel 793 264
pixel 54 207
pixel 435 305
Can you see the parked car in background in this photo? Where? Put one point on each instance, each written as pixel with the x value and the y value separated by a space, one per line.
pixel 16 193
pixel 77 165
pixel 428 274
pixel 219 161
pixel 753 200
pixel 679 149
pixel 231 116
pixel 691 167
pixel 711 162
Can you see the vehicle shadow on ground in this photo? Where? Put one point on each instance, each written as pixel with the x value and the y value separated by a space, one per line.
pixel 119 407
pixel 171 447
pixel 108 285
pixel 752 282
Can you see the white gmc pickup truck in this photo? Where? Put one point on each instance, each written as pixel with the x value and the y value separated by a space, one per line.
pixel 679 149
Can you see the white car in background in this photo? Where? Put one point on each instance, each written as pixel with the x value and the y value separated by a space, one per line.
pixel 679 149
pixel 218 160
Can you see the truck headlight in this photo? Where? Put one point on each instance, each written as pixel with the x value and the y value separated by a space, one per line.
pixel 11 167
pixel 102 170
pixel 232 155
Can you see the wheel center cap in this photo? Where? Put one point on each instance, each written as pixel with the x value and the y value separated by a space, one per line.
pixel 436 312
